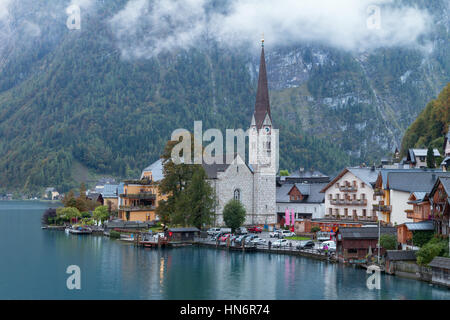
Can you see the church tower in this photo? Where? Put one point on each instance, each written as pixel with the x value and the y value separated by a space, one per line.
pixel 262 148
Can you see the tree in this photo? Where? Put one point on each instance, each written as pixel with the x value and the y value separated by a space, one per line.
pixel 196 203
pixel 234 214
pixel 68 213
pixel 49 216
pixel 176 179
pixel 431 161
pixel 69 199
pixel 284 173
pixel 101 213
pixel 388 242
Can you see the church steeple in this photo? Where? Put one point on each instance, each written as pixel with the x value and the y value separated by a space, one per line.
pixel 262 105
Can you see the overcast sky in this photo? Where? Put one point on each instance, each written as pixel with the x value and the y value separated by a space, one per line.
pixel 144 28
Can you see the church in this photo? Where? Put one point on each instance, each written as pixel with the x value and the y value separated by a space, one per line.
pixel 252 183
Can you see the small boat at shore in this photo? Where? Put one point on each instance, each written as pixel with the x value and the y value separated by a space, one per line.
pixel 79 230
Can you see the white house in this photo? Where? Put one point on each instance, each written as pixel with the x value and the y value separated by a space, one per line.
pixel 350 195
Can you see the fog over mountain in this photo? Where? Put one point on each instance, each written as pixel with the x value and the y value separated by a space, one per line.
pixel 347 78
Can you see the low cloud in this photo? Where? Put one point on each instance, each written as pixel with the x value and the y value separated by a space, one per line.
pixel 146 28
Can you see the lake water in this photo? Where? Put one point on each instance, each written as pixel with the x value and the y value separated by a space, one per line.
pixel 33 265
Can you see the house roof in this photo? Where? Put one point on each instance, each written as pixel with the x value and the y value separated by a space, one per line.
pixel 311 190
pixel 413 181
pixel 366 232
pixel 184 230
pixel 401 255
pixel 212 170
pixel 440 262
pixel 420 226
pixel 307 174
pixel 156 168
pixel 413 153
pixel 367 175
pixel 110 190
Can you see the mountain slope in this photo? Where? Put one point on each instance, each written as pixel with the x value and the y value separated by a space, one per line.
pixel 68 98
pixel 431 125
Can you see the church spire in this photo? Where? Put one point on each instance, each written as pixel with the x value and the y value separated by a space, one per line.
pixel 262 106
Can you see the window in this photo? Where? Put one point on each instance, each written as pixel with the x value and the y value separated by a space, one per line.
pixel 330 196
pixel 330 211
pixel 363 185
pixel 346 212
pixel 237 195
pixel 364 212
pixel 352 251
pixel 363 196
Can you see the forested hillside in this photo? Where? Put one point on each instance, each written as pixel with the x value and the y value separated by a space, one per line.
pixel 431 125
pixel 71 101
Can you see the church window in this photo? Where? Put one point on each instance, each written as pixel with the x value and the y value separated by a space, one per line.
pixel 237 195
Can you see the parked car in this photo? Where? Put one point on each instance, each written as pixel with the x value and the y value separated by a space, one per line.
pixel 275 234
pixel 307 244
pixel 239 239
pixel 255 229
pixel 225 230
pixel 287 233
pixel 224 237
pixel 258 241
pixel 280 243
pixel 241 230
pixel 331 245
pixel 249 238
pixel 213 231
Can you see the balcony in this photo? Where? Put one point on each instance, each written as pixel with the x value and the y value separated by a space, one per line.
pixel 349 202
pixel 378 192
pixel 382 208
pixel 137 208
pixel 348 188
pixel 141 195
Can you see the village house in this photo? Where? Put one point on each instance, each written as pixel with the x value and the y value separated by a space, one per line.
pixel 353 245
pixel 417 158
pixel 394 189
pixel 304 199
pixel 445 164
pixel 396 257
pixel 50 193
pixel 405 231
pixel 110 196
pixel 138 199
pixel 182 234
pixel 350 195
pixel 440 202
pixel 440 268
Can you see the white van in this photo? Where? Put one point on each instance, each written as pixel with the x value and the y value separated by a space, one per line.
pixel 330 244
pixel 225 230
pixel 213 231
pixel 241 230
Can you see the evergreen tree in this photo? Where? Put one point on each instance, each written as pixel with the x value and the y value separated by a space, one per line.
pixel 431 161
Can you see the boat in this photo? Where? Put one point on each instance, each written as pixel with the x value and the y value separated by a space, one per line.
pixel 80 230
pixel 127 238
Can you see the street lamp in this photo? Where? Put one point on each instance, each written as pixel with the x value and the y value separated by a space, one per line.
pixel 379 232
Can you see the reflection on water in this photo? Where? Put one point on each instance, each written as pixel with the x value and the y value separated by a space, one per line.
pixel 33 267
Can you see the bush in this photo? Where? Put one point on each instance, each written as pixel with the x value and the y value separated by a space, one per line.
pixel 388 242
pixel 436 247
pixel 315 229
pixel 114 234
pixel 420 238
pixel 86 214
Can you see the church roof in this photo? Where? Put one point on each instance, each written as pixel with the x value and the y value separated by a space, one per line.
pixel 212 170
pixel 262 105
